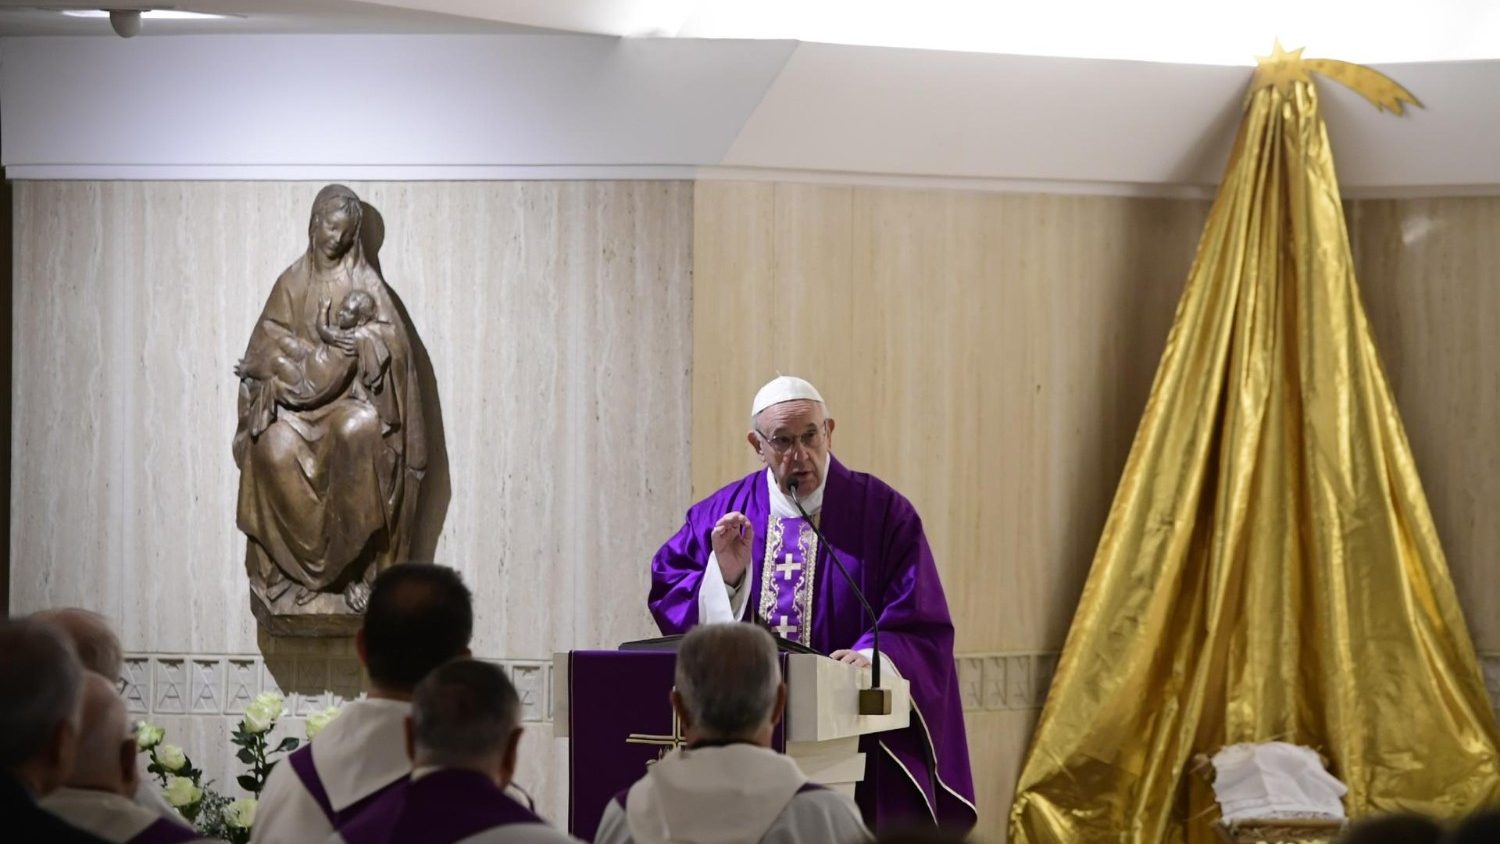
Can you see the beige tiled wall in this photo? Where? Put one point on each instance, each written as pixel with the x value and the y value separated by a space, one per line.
pixel 556 317
pixel 990 354
pixel 596 345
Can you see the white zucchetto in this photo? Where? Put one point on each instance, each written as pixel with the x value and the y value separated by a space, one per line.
pixel 784 388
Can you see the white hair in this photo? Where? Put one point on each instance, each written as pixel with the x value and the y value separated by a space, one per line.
pixel 728 676
pixel 97 645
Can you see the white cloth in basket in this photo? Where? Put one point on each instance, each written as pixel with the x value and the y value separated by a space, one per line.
pixel 1275 780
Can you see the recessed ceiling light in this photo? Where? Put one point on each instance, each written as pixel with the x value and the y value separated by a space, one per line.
pixel 147 14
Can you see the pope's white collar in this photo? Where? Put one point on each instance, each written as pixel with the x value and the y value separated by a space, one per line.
pixel 782 506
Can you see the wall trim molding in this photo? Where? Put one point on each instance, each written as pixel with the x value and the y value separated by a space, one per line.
pixel 1005 682
pixel 222 684
pixel 177 684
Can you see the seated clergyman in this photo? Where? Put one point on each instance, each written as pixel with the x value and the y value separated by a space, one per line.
pixel 420 616
pixel 464 734
pixel 41 693
pixel 727 785
pixel 97 795
pixel 99 651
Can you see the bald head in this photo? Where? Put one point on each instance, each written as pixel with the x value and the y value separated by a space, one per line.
pixel 105 759
pixel 97 645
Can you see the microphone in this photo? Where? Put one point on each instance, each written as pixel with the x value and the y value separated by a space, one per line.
pixel 874 700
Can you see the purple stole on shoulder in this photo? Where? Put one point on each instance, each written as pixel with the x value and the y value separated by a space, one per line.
pixel 165 831
pixel 440 808
pixel 302 765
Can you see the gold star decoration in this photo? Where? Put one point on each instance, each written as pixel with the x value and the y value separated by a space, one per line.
pixel 1283 69
pixel 1280 69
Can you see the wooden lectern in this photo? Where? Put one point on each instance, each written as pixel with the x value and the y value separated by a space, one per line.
pixel 614 708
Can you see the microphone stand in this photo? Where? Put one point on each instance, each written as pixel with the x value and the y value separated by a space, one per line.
pixel 874 700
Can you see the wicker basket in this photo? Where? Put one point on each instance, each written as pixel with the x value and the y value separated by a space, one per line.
pixel 1270 830
pixel 1280 831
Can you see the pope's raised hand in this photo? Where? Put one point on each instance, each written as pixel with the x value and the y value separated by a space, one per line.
pixel 731 541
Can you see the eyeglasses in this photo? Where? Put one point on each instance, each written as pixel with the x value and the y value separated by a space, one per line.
pixel 781 443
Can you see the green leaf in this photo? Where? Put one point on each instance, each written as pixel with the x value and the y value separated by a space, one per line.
pixel 246 755
pixel 248 782
pixel 287 744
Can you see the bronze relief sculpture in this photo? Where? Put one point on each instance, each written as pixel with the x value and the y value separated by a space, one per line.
pixel 330 442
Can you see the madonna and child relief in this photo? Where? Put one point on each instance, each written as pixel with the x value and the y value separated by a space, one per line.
pixel 330 440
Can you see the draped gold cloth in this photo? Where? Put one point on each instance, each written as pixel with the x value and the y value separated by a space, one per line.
pixel 1269 569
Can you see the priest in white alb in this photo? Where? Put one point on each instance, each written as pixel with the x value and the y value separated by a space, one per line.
pixel 727 785
pixel 464 737
pixel 99 794
pixel 419 617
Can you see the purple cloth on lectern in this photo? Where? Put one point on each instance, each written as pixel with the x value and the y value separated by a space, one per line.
pixel 620 721
pixel 879 538
pixel 445 806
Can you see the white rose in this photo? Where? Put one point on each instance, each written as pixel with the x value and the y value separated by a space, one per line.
pixel 263 712
pixel 171 757
pixel 181 792
pixel 271 701
pixel 148 736
pixel 241 813
pixel 318 720
pixel 256 721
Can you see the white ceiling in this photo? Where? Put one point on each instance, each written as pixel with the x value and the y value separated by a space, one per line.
pixel 499 89
pixel 1187 31
pixel 1228 32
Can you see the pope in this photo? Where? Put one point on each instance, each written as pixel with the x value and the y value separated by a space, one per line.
pixel 746 551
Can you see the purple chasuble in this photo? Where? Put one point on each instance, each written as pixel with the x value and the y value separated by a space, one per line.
pixel 921 772
pixel 445 806
pixel 165 831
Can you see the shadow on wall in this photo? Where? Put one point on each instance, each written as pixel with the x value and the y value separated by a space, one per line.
pixel 437 484
pixel 310 666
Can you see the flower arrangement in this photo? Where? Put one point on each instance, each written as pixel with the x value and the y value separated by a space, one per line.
pixel 213 814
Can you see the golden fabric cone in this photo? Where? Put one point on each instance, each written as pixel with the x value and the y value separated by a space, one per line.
pixel 1269 569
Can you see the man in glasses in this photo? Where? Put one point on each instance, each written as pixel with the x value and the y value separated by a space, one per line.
pixel 747 553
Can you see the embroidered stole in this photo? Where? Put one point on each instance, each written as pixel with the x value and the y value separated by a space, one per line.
pixel 787 575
